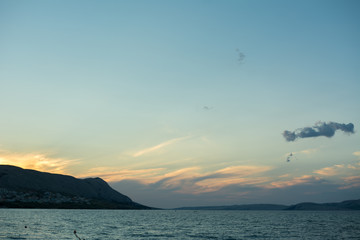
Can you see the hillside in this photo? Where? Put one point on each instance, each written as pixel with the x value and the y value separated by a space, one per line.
pixel 29 188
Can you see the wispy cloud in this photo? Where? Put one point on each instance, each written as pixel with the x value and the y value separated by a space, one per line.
pixel 159 146
pixel 338 170
pixel 351 182
pixel 37 161
pixel 215 184
pixel 305 179
pixel 330 171
pixel 309 151
pixel 191 180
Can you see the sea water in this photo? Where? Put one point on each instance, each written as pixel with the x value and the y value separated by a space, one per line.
pixel 172 224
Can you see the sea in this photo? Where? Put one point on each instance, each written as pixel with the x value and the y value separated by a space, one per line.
pixel 177 224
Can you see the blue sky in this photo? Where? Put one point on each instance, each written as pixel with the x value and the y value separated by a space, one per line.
pixel 183 103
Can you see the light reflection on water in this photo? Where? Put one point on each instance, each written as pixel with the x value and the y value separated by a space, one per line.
pixel 171 224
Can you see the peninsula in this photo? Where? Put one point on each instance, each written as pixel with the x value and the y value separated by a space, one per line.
pixel 24 188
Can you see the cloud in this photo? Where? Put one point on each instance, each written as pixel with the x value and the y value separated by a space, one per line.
pixel 338 170
pixel 234 175
pixel 306 179
pixel 351 182
pixel 320 129
pixel 109 174
pixel 191 180
pixel 356 167
pixel 357 154
pixel 158 147
pixel 37 161
pixel 309 151
pixel 330 171
pixel 226 186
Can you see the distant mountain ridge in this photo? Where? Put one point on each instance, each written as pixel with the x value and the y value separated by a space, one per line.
pixel 28 188
pixel 345 205
pixel 239 207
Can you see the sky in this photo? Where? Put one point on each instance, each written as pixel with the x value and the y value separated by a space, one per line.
pixel 186 103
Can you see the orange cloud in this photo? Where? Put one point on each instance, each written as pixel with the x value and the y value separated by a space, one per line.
pixel 235 175
pixel 190 180
pixel 214 181
pixel 215 184
pixel 295 181
pixel 37 161
pixel 243 170
pixel 329 171
pixel 338 170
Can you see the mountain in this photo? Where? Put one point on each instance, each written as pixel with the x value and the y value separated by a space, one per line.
pixel 29 188
pixel 345 205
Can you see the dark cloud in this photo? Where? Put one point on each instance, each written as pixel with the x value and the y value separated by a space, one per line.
pixel 320 129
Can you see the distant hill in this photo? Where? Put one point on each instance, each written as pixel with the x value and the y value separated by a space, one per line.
pixel 239 207
pixel 345 205
pixel 29 188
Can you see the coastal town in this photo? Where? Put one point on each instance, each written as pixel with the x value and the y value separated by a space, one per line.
pixel 11 196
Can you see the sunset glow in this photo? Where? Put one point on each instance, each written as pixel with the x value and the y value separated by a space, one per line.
pixel 185 103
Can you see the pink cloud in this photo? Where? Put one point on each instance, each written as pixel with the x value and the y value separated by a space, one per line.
pixel 295 181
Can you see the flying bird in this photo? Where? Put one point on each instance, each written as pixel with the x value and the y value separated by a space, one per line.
pixel 290 157
pixel 241 56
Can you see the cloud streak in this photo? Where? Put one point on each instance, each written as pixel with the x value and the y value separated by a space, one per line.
pixel 158 147
pixel 190 180
pixel 305 179
pixel 330 171
pixel 320 129
pixel 351 182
